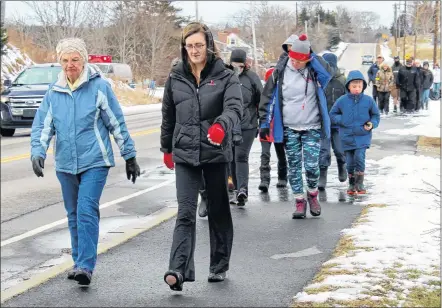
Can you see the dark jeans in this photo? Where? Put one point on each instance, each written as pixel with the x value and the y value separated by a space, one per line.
pixel 384 101
pixel 265 161
pixel 375 93
pixel 81 196
pixel 335 143
pixel 188 181
pixel 408 100
pixel 239 168
pixel 355 160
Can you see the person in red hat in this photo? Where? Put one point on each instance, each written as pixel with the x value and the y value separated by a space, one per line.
pixel 293 100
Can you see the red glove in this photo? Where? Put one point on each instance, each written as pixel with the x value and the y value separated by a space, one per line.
pixel 168 161
pixel 216 134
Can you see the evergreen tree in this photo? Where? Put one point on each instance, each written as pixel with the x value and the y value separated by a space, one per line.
pixel 333 37
pixel 303 17
pixel 4 38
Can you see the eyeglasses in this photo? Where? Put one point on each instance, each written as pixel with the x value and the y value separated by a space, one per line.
pixel 197 46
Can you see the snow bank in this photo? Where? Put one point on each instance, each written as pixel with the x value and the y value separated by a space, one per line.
pixel 395 250
pixel 426 125
pixel 13 62
pixel 386 53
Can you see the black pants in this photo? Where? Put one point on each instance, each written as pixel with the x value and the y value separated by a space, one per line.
pixel 384 101
pixel 375 93
pixel 265 161
pixel 188 181
pixel 408 100
pixel 239 168
pixel 418 104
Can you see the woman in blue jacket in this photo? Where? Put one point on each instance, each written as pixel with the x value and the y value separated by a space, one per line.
pixel 81 109
pixel 293 110
pixel 357 114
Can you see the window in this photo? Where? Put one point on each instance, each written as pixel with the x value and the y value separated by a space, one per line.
pixel 38 75
pixel 232 41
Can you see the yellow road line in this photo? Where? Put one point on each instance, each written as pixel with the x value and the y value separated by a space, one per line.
pixel 25 156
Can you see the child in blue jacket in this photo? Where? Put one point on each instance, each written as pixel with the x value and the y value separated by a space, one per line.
pixel 357 115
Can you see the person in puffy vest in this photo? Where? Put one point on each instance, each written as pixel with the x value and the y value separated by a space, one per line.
pixel 357 114
pixel 335 89
pixel 202 103
pixel 384 84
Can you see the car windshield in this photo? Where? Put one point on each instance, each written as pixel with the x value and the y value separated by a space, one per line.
pixel 368 57
pixel 38 75
pixel 103 67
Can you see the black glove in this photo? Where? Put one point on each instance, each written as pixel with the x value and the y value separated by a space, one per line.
pixel 132 169
pixel 264 134
pixel 237 139
pixel 38 164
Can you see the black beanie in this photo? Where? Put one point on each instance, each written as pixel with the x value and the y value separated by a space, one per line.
pixel 238 55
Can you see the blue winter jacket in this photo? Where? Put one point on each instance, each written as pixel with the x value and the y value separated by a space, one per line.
pixel 270 106
pixel 351 112
pixel 81 122
pixel 372 71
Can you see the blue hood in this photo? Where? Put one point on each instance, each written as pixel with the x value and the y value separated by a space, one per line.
pixel 331 59
pixel 355 75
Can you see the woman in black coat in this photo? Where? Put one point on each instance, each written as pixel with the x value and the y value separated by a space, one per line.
pixel 202 103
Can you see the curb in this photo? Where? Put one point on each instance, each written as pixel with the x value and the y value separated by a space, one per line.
pixel 129 232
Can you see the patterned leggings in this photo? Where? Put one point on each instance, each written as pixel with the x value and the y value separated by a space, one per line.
pixel 303 145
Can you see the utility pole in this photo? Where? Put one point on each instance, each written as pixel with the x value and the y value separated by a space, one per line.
pixel 395 22
pixel 306 26
pixel 436 29
pixel 416 20
pixel 319 21
pixel 297 20
pixel 196 11
pixel 254 36
pixel 405 28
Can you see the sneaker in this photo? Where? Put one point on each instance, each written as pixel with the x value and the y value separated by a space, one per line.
pixel 202 210
pixel 217 277
pixel 72 272
pixel 301 209
pixel 241 197
pixel 230 184
pixel 83 276
pixel 315 207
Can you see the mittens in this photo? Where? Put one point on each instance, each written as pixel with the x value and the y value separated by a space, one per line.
pixel 264 134
pixel 168 161
pixel 216 134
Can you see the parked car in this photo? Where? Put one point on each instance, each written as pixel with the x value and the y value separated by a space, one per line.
pixel 121 71
pixel 23 95
pixel 367 59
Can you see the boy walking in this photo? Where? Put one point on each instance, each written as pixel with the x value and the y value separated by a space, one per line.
pixel 357 115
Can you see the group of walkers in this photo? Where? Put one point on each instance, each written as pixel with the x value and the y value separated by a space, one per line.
pixel 409 85
pixel 211 114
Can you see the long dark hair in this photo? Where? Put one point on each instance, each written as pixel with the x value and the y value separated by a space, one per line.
pixel 197 27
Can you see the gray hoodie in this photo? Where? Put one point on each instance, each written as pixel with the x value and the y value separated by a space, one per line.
pixel 289 41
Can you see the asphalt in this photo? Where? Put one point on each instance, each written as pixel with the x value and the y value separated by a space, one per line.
pixel 273 256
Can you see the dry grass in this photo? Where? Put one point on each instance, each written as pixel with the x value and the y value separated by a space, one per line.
pixel 421 297
pixel 424 141
pixel 134 97
pixel 421 52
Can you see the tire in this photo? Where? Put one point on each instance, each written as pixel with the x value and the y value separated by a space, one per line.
pixel 7 132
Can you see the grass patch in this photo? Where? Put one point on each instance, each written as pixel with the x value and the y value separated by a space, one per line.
pixel 422 52
pixel 324 288
pixel 133 97
pixel 324 273
pixel 424 141
pixel 421 297
pixel 413 273
pixel 391 273
pixel 354 303
pixel 345 245
pixel 397 265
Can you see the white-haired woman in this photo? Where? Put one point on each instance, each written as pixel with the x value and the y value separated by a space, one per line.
pixel 81 109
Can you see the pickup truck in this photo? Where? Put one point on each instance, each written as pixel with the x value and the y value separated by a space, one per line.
pixel 23 95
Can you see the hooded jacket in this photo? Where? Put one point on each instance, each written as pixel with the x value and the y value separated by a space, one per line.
pixel 427 78
pixel 336 86
pixel 384 80
pixel 408 79
pixel 190 109
pixel 81 120
pixel 351 112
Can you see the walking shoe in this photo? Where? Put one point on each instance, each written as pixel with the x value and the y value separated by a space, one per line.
pixel 264 185
pixel 230 184
pixel 281 183
pixel 315 207
pixel 202 210
pixel 241 197
pixel 342 172
pixel 217 277
pixel 322 178
pixel 395 109
pixel 351 190
pixel 359 184
pixel 301 209
pixel 72 272
pixel 175 280
pixel 83 277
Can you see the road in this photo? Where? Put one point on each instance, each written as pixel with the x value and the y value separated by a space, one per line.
pixel 273 256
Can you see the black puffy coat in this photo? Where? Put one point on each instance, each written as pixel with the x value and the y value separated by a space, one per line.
pixel 427 79
pixel 408 79
pixel 251 88
pixel 189 110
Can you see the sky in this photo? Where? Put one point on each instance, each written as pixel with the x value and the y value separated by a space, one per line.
pixel 214 12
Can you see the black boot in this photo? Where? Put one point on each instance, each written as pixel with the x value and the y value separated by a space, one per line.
pixel 342 172
pixel 359 184
pixel 264 185
pixel 281 183
pixel 322 178
pixel 202 210
pixel 351 185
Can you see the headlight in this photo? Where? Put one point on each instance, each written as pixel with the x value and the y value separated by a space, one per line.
pixel 4 99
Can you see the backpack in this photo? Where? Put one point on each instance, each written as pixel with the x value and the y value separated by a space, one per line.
pixel 335 89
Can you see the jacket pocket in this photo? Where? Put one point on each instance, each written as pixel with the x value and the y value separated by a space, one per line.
pixel 360 131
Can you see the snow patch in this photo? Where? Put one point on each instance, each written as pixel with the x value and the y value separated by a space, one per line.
pixel 13 62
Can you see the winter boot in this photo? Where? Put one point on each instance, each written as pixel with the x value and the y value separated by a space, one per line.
pixel 301 208
pixel 351 185
pixel 359 184
pixel 281 183
pixel 342 172
pixel 230 184
pixel 202 210
pixel 315 207
pixel 265 182
pixel 322 178
pixel 395 109
pixel 241 197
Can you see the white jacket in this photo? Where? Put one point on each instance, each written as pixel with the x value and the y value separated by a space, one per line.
pixel 436 74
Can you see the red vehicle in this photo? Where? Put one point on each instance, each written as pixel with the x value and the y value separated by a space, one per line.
pixel 100 59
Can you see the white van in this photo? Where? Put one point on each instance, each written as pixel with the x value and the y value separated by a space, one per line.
pixel 120 71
